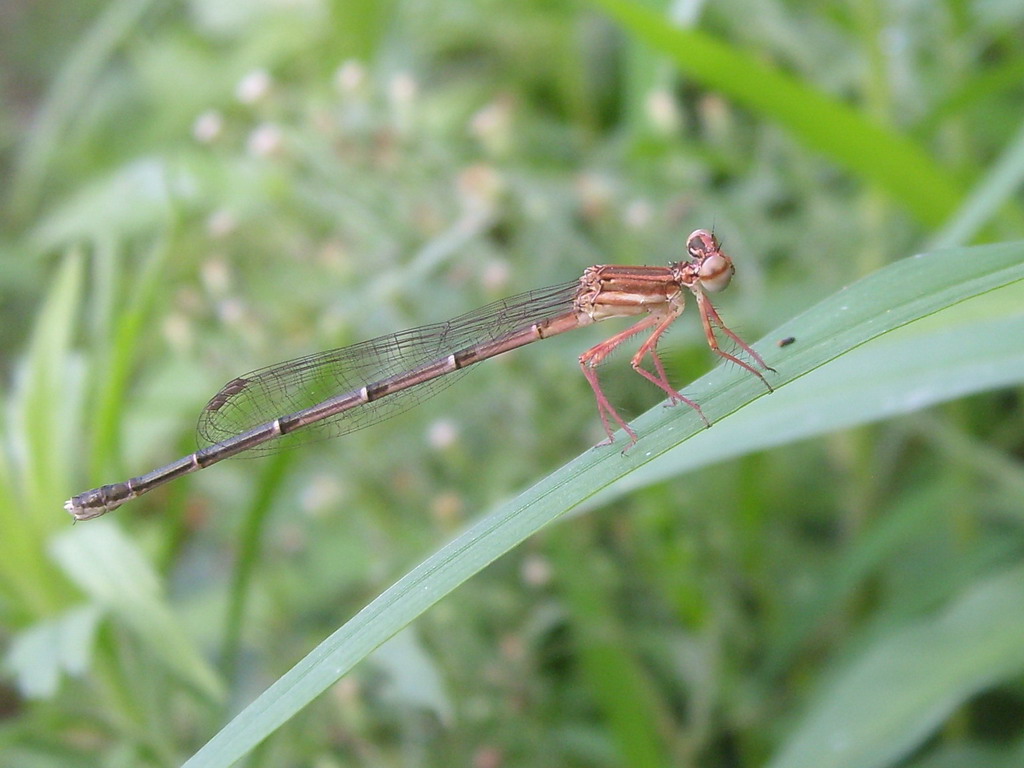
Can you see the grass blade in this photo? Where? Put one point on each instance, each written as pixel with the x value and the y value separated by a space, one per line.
pixel 875 153
pixel 903 686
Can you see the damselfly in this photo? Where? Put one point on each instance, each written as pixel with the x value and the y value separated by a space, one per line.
pixel 335 392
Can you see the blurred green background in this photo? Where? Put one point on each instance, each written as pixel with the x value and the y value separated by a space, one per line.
pixel 194 190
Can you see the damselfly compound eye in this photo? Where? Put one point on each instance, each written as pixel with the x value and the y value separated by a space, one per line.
pixel 701 243
pixel 715 272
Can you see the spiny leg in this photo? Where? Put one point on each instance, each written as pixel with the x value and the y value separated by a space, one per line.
pixel 650 346
pixel 709 315
pixel 605 408
pixel 593 357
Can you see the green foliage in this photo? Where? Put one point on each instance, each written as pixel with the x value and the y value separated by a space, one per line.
pixel 196 192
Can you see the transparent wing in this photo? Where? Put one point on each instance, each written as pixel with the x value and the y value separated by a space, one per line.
pixel 278 390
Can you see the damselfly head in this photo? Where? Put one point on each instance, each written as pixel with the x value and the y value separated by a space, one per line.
pixel 713 268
